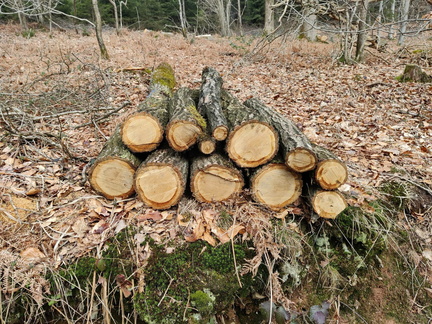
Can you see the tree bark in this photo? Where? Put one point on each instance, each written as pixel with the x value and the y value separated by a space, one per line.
pixel 414 73
pixel 102 48
pixel 362 30
pixel 161 179
pixel 210 106
pixel 206 144
pixel 296 148
pixel 330 172
pixel 214 178
pixel 186 123
pixel 143 131
pixel 252 139
pixel 307 29
pixel 113 171
pixel 405 5
pixel 275 186
pixel 269 20
pixel 327 204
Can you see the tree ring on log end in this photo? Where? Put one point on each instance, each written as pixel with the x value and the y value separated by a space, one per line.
pixel 220 133
pixel 328 204
pixel 252 144
pixel 141 133
pixel 216 183
pixel 182 135
pixel 276 186
pixel 331 174
pixel 113 178
pixel 159 186
pixel 301 160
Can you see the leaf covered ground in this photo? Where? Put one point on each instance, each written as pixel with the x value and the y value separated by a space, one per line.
pixel 59 103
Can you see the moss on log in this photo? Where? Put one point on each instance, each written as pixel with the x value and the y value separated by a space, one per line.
pixel 296 147
pixel 414 73
pixel 214 178
pixel 143 131
pixel 113 171
pixel 252 140
pixel 161 179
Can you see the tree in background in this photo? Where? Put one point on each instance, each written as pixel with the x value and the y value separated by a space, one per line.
pixel 98 28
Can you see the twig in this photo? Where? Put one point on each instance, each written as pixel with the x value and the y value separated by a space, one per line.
pixel 126 103
pixel 166 290
pixel 233 252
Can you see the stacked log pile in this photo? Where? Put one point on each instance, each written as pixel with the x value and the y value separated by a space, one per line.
pixel 207 140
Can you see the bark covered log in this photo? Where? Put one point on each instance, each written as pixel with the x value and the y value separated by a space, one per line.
pixel 295 146
pixel 161 179
pixel 210 104
pixel 206 144
pixel 113 171
pixel 143 131
pixel 252 140
pixel 330 172
pixel 186 123
pixel 214 178
pixel 275 185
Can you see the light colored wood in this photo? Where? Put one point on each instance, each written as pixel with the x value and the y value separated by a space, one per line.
pixel 276 186
pixel 252 144
pixel 328 204
pixel 220 133
pixel 113 178
pixel 182 135
pixel 331 174
pixel 160 180
pixel 206 144
pixel 142 133
pixel 214 178
pixel 301 160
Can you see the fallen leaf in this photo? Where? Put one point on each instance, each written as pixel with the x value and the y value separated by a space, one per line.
pixel 32 254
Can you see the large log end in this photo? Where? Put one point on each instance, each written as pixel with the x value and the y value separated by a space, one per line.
pixel 328 204
pixel 182 135
pixel 159 186
pixel 112 177
pixel 276 186
pixel 141 132
pixel 216 183
pixel 252 144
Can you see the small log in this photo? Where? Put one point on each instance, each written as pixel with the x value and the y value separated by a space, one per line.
pixel 210 105
pixel 296 147
pixel 186 123
pixel 143 131
pixel 206 144
pixel 275 185
pixel 161 179
pixel 327 204
pixel 330 172
pixel 252 140
pixel 214 178
pixel 113 171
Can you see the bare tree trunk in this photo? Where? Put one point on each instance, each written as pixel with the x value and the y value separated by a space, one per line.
pixel 362 32
pixel 182 15
pixel 405 5
pixel 103 50
pixel 240 14
pixel 269 20
pixel 116 18
pixel 392 15
pixel 307 29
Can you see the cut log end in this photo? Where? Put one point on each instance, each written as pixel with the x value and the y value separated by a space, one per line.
pixel 252 144
pixel 331 174
pixel 328 204
pixel 182 136
pixel 216 183
pixel 207 146
pixel 142 133
pixel 159 186
pixel 301 160
pixel 113 178
pixel 276 186
pixel 220 133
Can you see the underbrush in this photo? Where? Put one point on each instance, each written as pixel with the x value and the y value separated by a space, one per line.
pixel 359 268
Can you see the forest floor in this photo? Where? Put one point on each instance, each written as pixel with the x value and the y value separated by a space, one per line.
pixel 59 103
